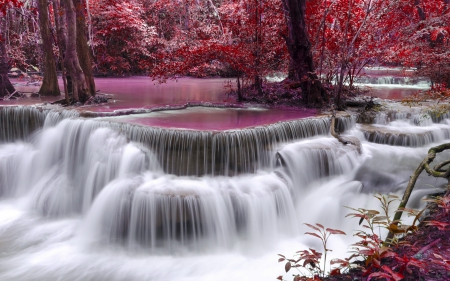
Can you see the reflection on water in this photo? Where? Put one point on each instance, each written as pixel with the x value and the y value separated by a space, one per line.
pixel 393 92
pixel 143 92
pixel 137 92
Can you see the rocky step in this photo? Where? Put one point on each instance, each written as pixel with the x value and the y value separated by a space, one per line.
pixel 405 136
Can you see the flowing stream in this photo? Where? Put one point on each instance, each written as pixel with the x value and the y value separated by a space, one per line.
pixel 97 199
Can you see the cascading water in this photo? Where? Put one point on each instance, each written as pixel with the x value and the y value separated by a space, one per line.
pixel 95 200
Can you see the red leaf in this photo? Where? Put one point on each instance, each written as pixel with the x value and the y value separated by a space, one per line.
pixel 367 252
pixel 395 275
pixel 335 231
pixel 388 254
pixel 339 261
pixel 287 267
pixel 313 234
pixel 379 274
pixel 438 224
pixel 312 226
pixel 335 272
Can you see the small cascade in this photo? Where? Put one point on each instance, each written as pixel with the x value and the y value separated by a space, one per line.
pixel 392 80
pixel 225 152
pixel 188 152
pixel 413 118
pixel 172 213
pixel 404 133
pixel 311 160
pixel 184 152
pixel 19 122
pixel 441 118
pixel 66 166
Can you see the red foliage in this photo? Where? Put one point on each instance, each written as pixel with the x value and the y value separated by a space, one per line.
pixel 6 4
pixel 243 37
pixel 124 41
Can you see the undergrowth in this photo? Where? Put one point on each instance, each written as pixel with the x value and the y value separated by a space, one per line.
pixel 417 252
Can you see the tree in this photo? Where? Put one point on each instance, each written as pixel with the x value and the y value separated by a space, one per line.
pixel 423 38
pixel 50 82
pixel 240 37
pixel 79 87
pixel 125 38
pixel 60 25
pixel 6 88
pixel 83 51
pixel 299 47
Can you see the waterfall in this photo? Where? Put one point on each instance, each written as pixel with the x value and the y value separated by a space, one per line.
pixel 392 80
pixel 312 160
pixel 406 132
pixel 184 152
pixel 167 212
pixel 65 166
pixel 19 122
pixel 88 199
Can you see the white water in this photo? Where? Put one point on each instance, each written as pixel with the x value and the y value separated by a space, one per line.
pixel 79 203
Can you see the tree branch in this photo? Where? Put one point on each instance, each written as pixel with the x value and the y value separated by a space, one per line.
pixel 424 165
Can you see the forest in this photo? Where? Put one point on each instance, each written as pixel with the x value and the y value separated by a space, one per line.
pixel 249 40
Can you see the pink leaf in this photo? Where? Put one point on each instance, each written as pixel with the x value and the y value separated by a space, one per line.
pixel 335 231
pixel 313 234
pixel 395 275
pixel 312 226
pixel 379 274
pixel 287 267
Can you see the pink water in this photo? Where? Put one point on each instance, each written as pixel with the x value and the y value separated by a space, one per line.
pixel 214 119
pixel 397 92
pixel 143 92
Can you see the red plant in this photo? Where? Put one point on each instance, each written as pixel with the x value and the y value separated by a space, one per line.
pixel 310 259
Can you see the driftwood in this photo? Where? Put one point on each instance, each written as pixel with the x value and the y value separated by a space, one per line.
pixel 333 131
pixel 437 171
pixel 343 140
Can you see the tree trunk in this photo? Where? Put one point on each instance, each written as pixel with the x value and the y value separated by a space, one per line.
pixel 80 90
pixel 6 88
pixel 239 90
pixel 83 51
pixel 299 48
pixel 337 100
pixel 50 82
pixel 420 10
pixel 61 33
